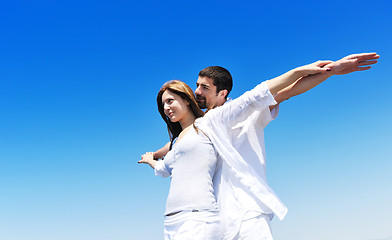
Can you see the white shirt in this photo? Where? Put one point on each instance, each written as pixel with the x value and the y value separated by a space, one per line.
pixel 191 164
pixel 236 130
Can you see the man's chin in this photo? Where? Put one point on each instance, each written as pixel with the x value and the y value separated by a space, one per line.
pixel 201 105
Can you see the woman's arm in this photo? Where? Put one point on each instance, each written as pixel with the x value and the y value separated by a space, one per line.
pixel 349 64
pixel 160 153
pixel 277 84
pixel 292 83
pixel 159 166
pixel 148 158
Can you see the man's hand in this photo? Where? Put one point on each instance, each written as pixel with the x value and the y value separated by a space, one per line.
pixel 349 64
pixel 353 63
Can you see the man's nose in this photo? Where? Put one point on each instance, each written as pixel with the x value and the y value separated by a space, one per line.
pixel 197 91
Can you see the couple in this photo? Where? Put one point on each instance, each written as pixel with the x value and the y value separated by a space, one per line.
pixel 216 160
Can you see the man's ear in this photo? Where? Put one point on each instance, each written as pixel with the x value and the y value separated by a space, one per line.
pixel 223 93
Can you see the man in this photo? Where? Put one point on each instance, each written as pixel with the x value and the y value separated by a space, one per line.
pixel 213 86
pixel 250 218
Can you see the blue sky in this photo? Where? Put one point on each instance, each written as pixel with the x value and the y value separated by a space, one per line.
pixel 78 82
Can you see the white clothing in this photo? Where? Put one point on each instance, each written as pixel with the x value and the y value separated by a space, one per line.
pixel 255 228
pixel 236 130
pixel 188 225
pixel 191 164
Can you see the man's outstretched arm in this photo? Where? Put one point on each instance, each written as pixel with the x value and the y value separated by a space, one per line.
pixel 285 80
pixel 348 64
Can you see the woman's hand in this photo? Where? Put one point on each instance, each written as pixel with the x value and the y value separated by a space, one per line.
pixel 353 63
pixel 148 158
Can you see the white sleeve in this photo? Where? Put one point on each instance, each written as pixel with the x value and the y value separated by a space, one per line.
pixel 161 169
pixel 240 108
pixel 275 112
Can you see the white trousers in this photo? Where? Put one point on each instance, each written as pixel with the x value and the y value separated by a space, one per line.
pixel 255 228
pixel 188 225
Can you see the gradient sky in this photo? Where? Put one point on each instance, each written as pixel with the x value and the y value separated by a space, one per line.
pixel 78 83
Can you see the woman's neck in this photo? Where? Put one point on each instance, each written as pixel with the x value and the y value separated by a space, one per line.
pixel 187 121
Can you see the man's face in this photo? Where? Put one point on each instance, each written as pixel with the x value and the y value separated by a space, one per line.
pixel 205 92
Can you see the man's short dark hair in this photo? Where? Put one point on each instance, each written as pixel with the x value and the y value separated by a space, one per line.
pixel 221 76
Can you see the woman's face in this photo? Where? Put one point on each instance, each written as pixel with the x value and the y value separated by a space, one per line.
pixel 174 106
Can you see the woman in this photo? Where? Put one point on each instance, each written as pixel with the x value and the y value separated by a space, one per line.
pixel 191 208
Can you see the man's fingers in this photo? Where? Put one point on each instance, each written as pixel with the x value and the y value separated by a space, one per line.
pixel 370 62
pixel 364 55
pixel 363 68
pixel 367 58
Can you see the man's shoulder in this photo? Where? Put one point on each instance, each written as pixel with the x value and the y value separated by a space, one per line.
pixel 228 100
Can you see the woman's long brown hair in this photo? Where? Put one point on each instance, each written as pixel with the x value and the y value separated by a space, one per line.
pixel 184 91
